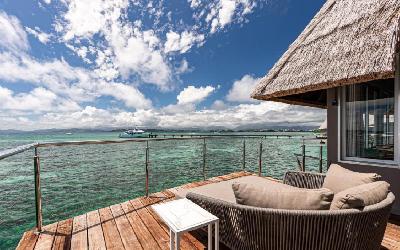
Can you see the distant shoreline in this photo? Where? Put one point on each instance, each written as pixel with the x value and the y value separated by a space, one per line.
pixel 77 130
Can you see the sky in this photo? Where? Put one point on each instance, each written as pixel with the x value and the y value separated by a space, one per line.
pixel 153 64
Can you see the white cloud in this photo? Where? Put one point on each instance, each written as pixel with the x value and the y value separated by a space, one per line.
pixel 219 105
pixel 191 94
pixel 77 84
pixel 40 35
pixel 89 117
pixel 126 50
pixel 263 114
pixel 182 42
pixel 194 3
pixel 47 1
pixel 134 56
pixel 183 67
pixel 218 14
pixel 38 100
pixel 132 97
pixel 241 89
pixel 86 18
pixel 174 109
pixel 225 13
pixel 13 36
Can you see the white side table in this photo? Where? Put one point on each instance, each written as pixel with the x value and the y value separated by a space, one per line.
pixel 182 216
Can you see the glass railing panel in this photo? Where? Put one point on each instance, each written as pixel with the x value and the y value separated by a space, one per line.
pixel 174 163
pixel 78 179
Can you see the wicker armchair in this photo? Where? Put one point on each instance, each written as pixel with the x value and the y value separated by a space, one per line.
pixel 246 227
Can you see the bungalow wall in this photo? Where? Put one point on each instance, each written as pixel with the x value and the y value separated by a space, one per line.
pixel 390 174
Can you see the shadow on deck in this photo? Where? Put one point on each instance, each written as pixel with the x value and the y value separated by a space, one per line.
pixel 134 225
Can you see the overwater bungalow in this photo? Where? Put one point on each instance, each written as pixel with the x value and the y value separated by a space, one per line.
pixel 346 61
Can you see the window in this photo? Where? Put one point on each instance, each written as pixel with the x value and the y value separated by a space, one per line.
pixel 368 120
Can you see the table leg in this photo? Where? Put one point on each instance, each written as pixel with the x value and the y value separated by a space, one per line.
pixel 177 241
pixel 217 235
pixel 171 239
pixel 210 236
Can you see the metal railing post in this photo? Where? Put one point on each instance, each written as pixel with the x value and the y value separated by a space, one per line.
pixel 204 158
pixel 260 159
pixel 38 193
pixel 303 154
pixel 147 168
pixel 320 156
pixel 244 154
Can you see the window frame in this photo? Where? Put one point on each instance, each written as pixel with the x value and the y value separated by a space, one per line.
pixel 342 142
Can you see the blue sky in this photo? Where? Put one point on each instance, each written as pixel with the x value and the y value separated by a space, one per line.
pixel 171 64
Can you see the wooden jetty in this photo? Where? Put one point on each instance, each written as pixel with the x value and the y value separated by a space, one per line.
pixel 188 135
pixel 134 225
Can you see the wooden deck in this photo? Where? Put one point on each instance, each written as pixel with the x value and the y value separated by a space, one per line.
pixel 134 225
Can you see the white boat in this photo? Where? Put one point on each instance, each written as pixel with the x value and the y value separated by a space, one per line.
pixel 134 133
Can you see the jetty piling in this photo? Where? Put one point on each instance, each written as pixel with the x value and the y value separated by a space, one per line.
pixel 320 156
pixel 38 193
pixel 244 154
pixel 204 158
pixel 260 159
pixel 303 160
pixel 147 168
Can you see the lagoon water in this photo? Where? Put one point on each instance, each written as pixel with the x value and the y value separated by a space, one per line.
pixel 78 179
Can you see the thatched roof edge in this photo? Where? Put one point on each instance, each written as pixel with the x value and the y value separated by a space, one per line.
pixel 347 42
pixel 325 85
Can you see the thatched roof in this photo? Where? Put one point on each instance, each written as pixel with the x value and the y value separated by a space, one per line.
pixel 347 42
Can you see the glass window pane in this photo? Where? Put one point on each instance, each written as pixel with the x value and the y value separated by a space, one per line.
pixel 369 120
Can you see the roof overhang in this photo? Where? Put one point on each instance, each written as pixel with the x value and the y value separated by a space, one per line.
pixel 347 42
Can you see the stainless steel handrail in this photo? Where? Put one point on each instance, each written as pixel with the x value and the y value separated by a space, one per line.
pixel 17 150
pixel 76 143
pixel 38 193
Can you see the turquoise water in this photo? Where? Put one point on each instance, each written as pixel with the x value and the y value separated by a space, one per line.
pixel 78 179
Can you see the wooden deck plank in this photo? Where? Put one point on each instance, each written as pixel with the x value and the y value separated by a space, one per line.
pixel 391 238
pixel 216 179
pixel 155 229
pixel 145 238
pixel 28 241
pixel 110 230
pixel 168 193
pixel 147 202
pixel 79 233
pixel 233 175
pixel 62 239
pixel 95 231
pixel 128 236
pixel 46 237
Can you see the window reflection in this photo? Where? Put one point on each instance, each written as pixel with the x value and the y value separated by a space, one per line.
pixel 369 120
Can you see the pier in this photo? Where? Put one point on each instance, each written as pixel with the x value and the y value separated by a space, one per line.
pixel 210 135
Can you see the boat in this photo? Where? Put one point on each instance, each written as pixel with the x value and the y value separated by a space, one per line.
pixel 134 133
pixel 69 133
